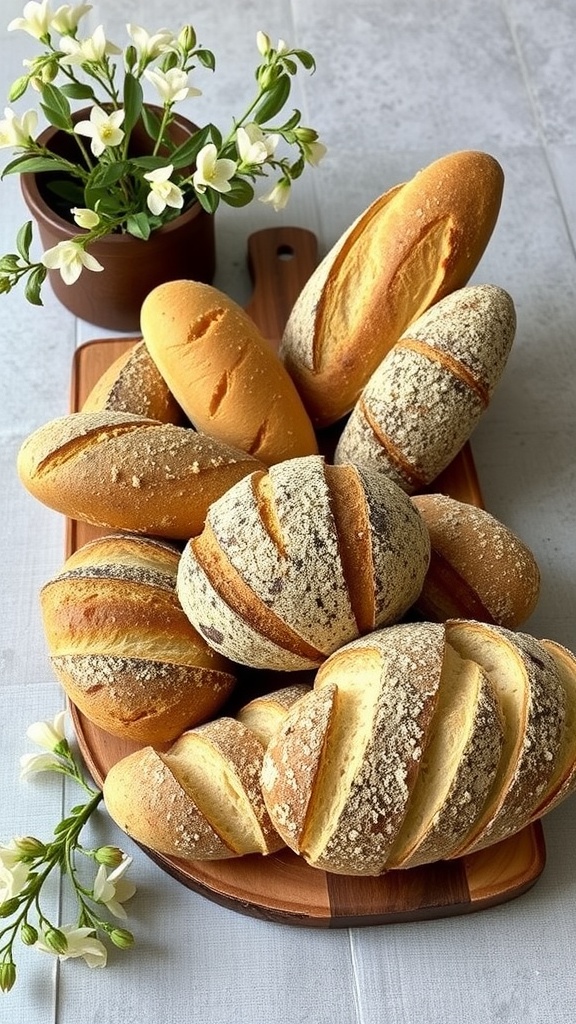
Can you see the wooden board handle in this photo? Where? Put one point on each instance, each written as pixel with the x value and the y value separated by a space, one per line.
pixel 280 261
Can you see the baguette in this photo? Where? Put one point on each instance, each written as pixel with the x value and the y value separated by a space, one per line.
pixel 295 562
pixel 479 569
pixel 224 373
pixel 125 472
pixel 133 384
pixel 411 247
pixel 201 800
pixel 121 646
pixel 422 403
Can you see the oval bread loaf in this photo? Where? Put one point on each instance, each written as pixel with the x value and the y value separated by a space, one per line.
pixel 295 562
pixel 224 373
pixel 479 569
pixel 265 714
pixel 121 646
pixel 125 472
pixel 201 800
pixel 133 384
pixel 411 247
pixel 423 402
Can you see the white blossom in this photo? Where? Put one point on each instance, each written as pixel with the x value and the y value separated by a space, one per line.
pixel 113 889
pixel 172 85
pixel 163 192
pixel 254 146
pixel 103 129
pixel 82 51
pixel 79 942
pixel 17 131
pixel 150 46
pixel 212 172
pixel 70 259
pixel 31 764
pixel 12 879
pixel 84 217
pixel 48 734
pixel 10 855
pixel 36 20
pixel 278 195
pixel 66 18
pixel 313 152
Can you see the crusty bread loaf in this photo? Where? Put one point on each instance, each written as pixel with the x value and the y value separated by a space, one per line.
pixel 134 384
pixel 265 714
pixel 121 646
pixel 479 569
pixel 410 248
pixel 422 403
pixel 295 562
pixel 125 472
pixel 201 800
pixel 563 780
pixel 224 373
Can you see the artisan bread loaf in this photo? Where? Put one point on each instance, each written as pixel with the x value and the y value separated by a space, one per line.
pixel 410 248
pixel 134 384
pixel 265 714
pixel 295 562
pixel 479 569
pixel 563 780
pixel 224 373
pixel 422 403
pixel 201 800
pixel 121 646
pixel 125 472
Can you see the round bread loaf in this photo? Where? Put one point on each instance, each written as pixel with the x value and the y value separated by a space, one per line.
pixel 133 384
pixel 295 562
pixel 121 646
pixel 224 373
pixel 423 402
pixel 479 569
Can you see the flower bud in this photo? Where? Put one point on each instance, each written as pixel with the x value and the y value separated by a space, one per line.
pixel 306 134
pixel 263 43
pixel 267 77
pixel 111 856
pixel 7 975
pixel 29 846
pixel 56 940
pixel 49 71
pixel 122 938
pixel 187 39
pixel 9 907
pixel 130 57
pixel 18 88
pixel 28 934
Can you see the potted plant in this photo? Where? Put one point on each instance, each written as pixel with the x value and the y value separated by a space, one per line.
pixel 121 174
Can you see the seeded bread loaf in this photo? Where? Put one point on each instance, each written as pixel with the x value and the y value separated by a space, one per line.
pixel 223 372
pixel 411 247
pixel 295 562
pixel 133 384
pixel 121 646
pixel 422 403
pixel 125 472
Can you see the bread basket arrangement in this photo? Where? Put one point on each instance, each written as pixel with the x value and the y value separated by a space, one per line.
pixel 274 514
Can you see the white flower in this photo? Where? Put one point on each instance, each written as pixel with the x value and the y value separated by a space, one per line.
pixel 70 259
pixel 31 764
pixel 163 192
pixel 79 942
pixel 36 20
pixel 254 146
pixel 48 734
pixel 211 172
pixel 12 879
pixel 112 889
pixel 84 217
pixel 103 128
pixel 66 18
pixel 263 42
pixel 9 855
pixel 150 46
pixel 172 85
pixel 313 152
pixel 17 131
pixel 82 51
pixel 279 195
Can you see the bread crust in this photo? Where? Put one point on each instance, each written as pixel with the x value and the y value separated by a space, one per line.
pixel 134 384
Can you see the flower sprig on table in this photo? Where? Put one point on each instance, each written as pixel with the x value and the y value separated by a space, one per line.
pixel 108 189
pixel 27 862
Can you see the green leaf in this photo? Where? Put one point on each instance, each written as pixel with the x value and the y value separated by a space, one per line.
pixel 23 241
pixel 187 152
pixel 56 107
pixel 34 284
pixel 68 190
pixel 306 59
pixel 293 121
pixel 290 65
pixel 209 200
pixel 78 91
pixel 273 100
pixel 23 164
pixel 206 58
pixel 240 194
pixel 138 224
pixel 133 98
pixel 151 121
pixel 105 175
pixel 148 163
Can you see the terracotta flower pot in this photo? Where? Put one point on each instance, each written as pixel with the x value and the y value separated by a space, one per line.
pixel 112 298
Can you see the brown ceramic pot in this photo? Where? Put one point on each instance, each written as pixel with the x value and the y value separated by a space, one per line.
pixel 112 298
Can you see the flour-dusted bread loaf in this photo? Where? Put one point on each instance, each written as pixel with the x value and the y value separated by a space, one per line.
pixel 422 403
pixel 563 780
pixel 121 646
pixel 265 714
pixel 201 800
pixel 479 569
pixel 134 384
pixel 125 472
pixel 295 562
pixel 226 376
pixel 411 247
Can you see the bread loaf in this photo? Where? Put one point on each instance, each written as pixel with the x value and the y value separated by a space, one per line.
pixel 419 742
pixel 125 472
pixel 422 403
pixel 295 562
pixel 121 646
pixel 199 801
pixel 133 384
pixel 563 779
pixel 265 714
pixel 224 373
pixel 479 569
pixel 411 247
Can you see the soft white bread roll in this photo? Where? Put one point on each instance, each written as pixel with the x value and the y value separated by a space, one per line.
pixel 411 247
pixel 224 373
pixel 265 714
pixel 295 562
pixel 134 384
pixel 125 472
pixel 422 403
pixel 201 800
pixel 121 646
pixel 479 569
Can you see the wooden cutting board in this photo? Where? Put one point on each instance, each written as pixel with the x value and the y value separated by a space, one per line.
pixel 283 887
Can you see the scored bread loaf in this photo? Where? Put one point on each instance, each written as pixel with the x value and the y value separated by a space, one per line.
pixel 125 472
pixel 224 373
pixel 563 780
pixel 121 646
pixel 422 403
pixel 411 247
pixel 265 714
pixel 479 569
pixel 295 562
pixel 201 800
pixel 134 384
